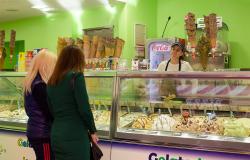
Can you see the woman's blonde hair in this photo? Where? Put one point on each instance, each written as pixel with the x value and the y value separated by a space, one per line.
pixel 43 63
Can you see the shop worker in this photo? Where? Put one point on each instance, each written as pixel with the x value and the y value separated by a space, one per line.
pixel 176 62
pixel 36 104
pixel 69 104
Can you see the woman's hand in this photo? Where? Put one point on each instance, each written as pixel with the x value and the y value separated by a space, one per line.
pixel 94 138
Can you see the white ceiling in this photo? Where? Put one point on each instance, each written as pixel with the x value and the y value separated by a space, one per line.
pixel 17 9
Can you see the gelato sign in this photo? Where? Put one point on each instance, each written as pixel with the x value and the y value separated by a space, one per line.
pixel 155 156
pixel 23 143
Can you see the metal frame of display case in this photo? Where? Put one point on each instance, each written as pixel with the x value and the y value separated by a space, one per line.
pixel 161 138
pixel 105 134
pixel 178 139
pixel 20 125
pixel 10 123
pixel 12 74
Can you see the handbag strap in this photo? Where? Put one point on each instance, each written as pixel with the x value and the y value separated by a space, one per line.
pixel 72 81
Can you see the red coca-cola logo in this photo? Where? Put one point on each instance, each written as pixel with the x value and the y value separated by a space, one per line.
pixel 157 47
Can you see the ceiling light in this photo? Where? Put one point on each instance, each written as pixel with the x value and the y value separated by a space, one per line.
pixel 41 5
pixel 108 7
pixel 71 5
pixel 132 2
pixel 105 2
pixel 47 9
pixel 124 1
pixel 37 4
pixel 74 7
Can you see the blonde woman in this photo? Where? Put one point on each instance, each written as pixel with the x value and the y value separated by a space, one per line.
pixel 36 104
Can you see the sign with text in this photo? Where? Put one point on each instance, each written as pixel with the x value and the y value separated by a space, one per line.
pixel 15 146
pixel 128 151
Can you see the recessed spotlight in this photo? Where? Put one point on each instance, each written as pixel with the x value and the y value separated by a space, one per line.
pixel 124 1
pixel 47 9
pixel 11 10
pixel 39 6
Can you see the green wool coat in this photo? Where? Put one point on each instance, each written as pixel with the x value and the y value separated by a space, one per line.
pixel 73 119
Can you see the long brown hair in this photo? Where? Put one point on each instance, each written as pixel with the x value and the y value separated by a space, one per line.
pixel 71 58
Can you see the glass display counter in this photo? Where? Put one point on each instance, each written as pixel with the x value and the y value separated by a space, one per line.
pixel 196 110
pixel 200 110
pixel 100 90
pixel 12 113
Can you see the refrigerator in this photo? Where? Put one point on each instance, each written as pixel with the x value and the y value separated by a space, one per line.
pixel 158 50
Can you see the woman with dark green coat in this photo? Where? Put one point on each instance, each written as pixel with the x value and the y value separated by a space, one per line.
pixel 69 106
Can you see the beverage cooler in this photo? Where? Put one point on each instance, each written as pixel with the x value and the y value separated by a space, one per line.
pixel 158 50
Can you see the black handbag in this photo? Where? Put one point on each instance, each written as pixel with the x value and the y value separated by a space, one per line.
pixel 95 152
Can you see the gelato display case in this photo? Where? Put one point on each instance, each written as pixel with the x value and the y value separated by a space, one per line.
pixel 196 110
pixel 12 113
pixel 100 86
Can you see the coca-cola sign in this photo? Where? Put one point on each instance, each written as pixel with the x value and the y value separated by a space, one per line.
pixel 160 47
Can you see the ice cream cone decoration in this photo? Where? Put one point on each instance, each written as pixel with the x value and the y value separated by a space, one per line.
pixel 3 56
pixel 2 38
pixel 118 48
pixel 93 46
pixel 203 48
pixel 109 47
pixel 12 44
pixel 1 63
pixel 86 46
pixel 100 48
pixel 190 27
pixel 61 43
pixel 70 41
pixel 193 53
pixel 96 51
pixel 211 30
pixel 79 43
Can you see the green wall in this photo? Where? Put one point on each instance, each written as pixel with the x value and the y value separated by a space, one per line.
pixel 39 32
pixel 19 47
pixel 235 15
pixel 99 17
pixel 137 12
pixel 43 32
